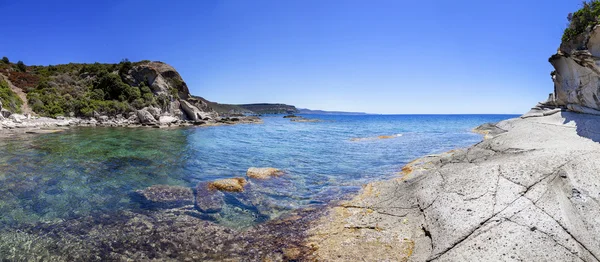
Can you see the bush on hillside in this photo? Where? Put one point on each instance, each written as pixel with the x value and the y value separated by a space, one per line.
pixel 21 66
pixel 5 60
pixel 586 17
pixel 9 99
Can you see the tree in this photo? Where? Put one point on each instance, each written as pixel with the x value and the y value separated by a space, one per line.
pixel 5 60
pixel 21 66
pixel 126 65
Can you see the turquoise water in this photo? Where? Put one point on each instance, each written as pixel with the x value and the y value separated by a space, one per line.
pixel 82 171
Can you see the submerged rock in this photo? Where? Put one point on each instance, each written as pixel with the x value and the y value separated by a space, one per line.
pixel 263 173
pixel 208 199
pixel 164 196
pixel 157 235
pixel 229 185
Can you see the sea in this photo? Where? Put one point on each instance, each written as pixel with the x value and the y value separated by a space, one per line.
pixel 86 170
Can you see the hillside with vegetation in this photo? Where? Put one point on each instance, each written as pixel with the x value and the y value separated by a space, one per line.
pixel 265 108
pixel 84 90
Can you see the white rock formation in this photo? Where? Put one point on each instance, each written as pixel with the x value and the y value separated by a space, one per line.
pixel 577 73
pixel 192 112
pixel 529 194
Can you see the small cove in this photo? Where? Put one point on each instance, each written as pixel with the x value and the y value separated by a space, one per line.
pixel 86 171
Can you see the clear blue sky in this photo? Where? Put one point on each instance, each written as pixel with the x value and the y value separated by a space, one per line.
pixel 463 56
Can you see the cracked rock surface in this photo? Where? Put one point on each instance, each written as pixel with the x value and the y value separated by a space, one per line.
pixel 529 194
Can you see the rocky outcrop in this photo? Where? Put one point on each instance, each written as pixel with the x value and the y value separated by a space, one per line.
pixel 527 194
pixel 488 130
pixel 194 113
pixel 160 77
pixel 577 73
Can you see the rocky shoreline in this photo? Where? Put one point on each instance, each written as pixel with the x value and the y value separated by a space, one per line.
pixel 526 193
pixel 17 124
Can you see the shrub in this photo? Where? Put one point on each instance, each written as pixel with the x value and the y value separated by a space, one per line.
pixel 9 98
pixel 125 66
pixel 586 17
pixel 5 60
pixel 21 66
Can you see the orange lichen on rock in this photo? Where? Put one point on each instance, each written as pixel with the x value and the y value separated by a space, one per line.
pixel 230 184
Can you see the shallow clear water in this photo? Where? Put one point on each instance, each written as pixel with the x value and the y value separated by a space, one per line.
pixel 84 170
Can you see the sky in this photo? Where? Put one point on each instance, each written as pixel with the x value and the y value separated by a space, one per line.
pixel 375 56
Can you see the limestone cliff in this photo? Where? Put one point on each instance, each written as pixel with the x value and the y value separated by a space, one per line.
pixel 577 73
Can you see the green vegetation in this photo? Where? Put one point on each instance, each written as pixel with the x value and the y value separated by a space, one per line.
pixel 586 17
pixel 21 66
pixel 5 60
pixel 107 94
pixel 9 98
pixel 83 89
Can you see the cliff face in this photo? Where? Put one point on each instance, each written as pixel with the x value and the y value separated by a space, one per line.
pixel 577 73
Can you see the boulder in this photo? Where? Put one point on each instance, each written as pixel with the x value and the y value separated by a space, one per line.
pixel 163 120
pixel 229 185
pixel 101 118
pixel 263 173
pixel 145 117
pixel 192 112
pixel 17 118
pixel 5 113
pixel 164 196
pixel 208 199
pixel 155 112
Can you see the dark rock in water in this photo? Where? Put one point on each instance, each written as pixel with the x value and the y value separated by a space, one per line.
pixel 163 196
pixel 306 120
pixel 158 235
pixel 208 199
pixel 290 116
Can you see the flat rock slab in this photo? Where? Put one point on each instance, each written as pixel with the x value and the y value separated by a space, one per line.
pixel 527 194
pixel 164 196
